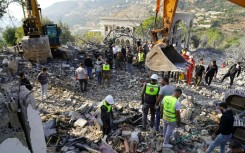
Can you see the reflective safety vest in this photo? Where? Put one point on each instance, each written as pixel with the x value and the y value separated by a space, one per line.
pixel 151 89
pixel 107 106
pixel 169 114
pixel 141 57
pixel 106 67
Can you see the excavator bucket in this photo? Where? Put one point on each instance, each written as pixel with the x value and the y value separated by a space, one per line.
pixel 36 49
pixel 165 59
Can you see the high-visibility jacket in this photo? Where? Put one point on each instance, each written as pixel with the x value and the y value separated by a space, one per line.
pixel 169 113
pixel 151 89
pixel 107 106
pixel 141 57
pixel 106 67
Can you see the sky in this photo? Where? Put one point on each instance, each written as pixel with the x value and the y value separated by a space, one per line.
pixel 15 10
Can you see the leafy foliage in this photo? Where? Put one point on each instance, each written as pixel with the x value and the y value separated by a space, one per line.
pixel 91 36
pixel 148 25
pixel 4 5
pixel 9 36
pixel 19 33
pixel 46 21
pixel 65 34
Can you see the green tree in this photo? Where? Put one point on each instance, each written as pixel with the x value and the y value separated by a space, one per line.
pixel 9 36
pixel 147 25
pixel 65 33
pixel 91 36
pixel 4 5
pixel 1 44
pixel 19 33
pixel 46 21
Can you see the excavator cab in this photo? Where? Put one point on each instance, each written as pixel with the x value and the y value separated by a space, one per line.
pixel 53 32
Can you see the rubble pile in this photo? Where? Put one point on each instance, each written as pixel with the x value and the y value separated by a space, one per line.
pixel 70 118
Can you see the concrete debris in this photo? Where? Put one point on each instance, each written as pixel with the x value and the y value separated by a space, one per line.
pixel 71 121
pixel 81 122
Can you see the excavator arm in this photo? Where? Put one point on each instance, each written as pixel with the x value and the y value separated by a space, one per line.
pixel 238 2
pixel 164 57
pixel 169 9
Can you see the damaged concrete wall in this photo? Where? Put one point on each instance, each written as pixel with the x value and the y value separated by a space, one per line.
pixel 20 127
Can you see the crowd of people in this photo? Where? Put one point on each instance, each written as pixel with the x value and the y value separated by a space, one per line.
pixel 160 98
pixel 209 73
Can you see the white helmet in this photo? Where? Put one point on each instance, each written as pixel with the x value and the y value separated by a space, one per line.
pixel 191 57
pixel 188 53
pixel 154 77
pixel 109 99
pixel 174 45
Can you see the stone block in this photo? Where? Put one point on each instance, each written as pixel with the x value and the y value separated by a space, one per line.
pixel 81 122
pixel 204 132
pixel 126 133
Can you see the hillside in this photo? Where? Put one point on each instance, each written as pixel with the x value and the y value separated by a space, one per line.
pixel 85 14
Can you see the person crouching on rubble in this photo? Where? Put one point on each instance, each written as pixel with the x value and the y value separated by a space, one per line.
pixel 170 109
pixel 225 129
pixel 24 81
pixel 43 80
pixel 149 98
pixel 107 114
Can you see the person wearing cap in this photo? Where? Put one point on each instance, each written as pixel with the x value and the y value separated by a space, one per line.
pixel 149 97
pixel 107 114
pixel 235 69
pixel 106 70
pixel 170 110
pixel 190 70
pixel 211 72
pixel 224 131
pixel 141 59
pixel 24 81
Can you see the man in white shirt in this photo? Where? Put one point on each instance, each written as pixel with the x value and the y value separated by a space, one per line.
pixel 82 76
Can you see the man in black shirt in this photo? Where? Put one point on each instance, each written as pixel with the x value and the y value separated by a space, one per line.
pixel 199 72
pixel 25 82
pixel 89 65
pixel 235 69
pixel 211 71
pixel 129 59
pixel 224 132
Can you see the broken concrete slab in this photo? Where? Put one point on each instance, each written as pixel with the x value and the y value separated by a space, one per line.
pixel 81 122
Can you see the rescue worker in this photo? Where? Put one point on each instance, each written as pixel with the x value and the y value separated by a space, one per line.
pixel 190 70
pixel 235 69
pixel 186 55
pixel 224 132
pixel 106 70
pixel 149 97
pixel 107 114
pixel 170 109
pixel 141 59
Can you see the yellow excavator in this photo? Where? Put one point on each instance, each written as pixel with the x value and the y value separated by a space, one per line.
pixel 163 56
pixel 39 39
